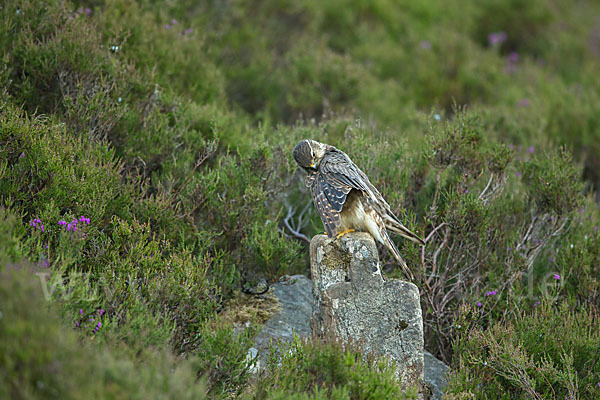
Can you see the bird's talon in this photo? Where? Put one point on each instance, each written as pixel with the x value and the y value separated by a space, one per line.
pixel 339 235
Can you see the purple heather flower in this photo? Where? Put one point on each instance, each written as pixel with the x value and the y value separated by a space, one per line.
pixel 188 31
pixel 551 259
pixel 77 323
pixel 62 222
pixel 167 26
pixel 523 103
pixel 537 304
pixel 45 263
pixel 101 312
pixel 99 324
pixel 508 248
pixel 531 149
pixel 518 174
pixel 495 38
pixel 42 227
pixel 91 319
pixel 81 311
pixel 466 191
pixel 557 277
pixel 426 44
pixel 596 227
pixel 174 21
pixel 88 11
pixel 513 57
pixel 68 227
pixel 22 155
pixel 83 235
pixel 478 304
pixel 491 293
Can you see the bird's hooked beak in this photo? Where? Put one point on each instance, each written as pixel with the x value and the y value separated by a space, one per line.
pixel 313 166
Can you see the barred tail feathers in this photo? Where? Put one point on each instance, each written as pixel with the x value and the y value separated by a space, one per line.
pixel 394 250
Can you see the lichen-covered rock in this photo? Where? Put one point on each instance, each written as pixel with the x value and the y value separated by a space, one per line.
pixel 354 303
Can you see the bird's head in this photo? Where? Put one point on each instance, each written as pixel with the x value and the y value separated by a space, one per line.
pixel 309 153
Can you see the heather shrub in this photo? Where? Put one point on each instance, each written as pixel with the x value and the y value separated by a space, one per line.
pixel 146 172
pixel 547 352
pixel 316 370
pixel 43 358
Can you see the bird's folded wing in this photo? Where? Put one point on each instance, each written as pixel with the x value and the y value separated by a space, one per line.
pixel 340 172
pixel 330 186
pixel 329 214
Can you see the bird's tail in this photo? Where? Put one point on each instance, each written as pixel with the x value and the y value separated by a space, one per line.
pixel 394 250
pixel 397 227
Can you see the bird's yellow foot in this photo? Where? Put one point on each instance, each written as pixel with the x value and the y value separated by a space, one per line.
pixel 339 235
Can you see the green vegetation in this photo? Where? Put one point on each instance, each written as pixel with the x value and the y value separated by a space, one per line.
pixel 319 370
pixel 159 135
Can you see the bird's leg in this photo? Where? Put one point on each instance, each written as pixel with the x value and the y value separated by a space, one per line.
pixel 339 235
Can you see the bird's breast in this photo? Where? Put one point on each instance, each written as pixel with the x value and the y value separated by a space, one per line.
pixel 358 215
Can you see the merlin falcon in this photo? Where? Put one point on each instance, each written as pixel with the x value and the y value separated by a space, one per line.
pixel 345 198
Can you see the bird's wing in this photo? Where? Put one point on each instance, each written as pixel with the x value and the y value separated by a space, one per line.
pixel 341 173
pixel 329 186
pixel 330 215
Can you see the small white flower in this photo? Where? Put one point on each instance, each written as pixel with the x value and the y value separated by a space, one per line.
pixel 119 99
pixel 18 11
pixel 571 245
pixel 437 117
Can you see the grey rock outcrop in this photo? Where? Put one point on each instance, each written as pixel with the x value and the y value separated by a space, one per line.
pixel 435 375
pixel 352 302
pixel 295 300
pixel 294 295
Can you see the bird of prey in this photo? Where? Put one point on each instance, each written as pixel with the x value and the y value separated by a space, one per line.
pixel 345 198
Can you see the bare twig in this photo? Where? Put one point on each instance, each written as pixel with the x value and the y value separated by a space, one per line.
pixel 295 231
pixel 428 238
pixel 486 187
pixel 436 254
